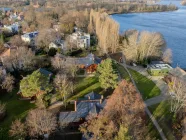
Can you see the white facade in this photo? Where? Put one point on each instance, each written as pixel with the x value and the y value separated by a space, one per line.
pixel 82 40
pixel 58 44
pixel 12 28
pixel 29 37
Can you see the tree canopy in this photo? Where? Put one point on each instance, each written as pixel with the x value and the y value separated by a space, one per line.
pixel 35 85
pixel 108 77
pixel 121 118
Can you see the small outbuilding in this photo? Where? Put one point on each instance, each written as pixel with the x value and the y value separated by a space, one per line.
pixel 158 68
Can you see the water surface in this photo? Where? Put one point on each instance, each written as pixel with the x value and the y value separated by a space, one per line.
pixel 171 24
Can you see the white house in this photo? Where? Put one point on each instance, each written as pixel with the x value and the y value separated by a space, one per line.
pixel 82 40
pixel 30 37
pixel 14 28
pixel 58 44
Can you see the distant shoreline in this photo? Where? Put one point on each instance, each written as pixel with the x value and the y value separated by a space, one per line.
pixel 118 13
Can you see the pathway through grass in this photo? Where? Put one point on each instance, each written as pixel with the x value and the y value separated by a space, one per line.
pixel 147 87
pixel 164 117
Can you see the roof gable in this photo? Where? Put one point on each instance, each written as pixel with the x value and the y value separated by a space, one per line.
pixel 93 96
pixel 45 72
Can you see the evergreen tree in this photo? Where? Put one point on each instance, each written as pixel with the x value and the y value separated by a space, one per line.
pixel 122 134
pixel 108 77
pixel 35 84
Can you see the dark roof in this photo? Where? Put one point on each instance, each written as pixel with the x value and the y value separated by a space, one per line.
pixel 87 61
pixel 45 72
pixel 157 62
pixel 116 56
pixel 93 96
pixel 83 109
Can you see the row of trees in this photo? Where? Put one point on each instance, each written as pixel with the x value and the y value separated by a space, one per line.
pixel 106 30
pixel 45 19
pixel 121 118
pixel 140 47
pixel 38 85
pixel 177 91
pixel 38 122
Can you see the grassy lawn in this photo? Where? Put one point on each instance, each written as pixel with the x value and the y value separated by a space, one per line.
pixel 146 86
pixel 152 131
pixel 86 85
pixel 163 115
pixel 15 109
pixel 123 72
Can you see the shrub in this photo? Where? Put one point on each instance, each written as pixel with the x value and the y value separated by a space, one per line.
pixel 52 52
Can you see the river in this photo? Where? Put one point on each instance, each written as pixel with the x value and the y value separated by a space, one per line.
pixel 171 24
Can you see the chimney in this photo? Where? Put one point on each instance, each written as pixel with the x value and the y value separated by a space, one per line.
pixel 101 99
pixel 75 105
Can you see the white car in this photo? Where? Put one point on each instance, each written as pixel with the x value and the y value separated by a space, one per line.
pixel 133 64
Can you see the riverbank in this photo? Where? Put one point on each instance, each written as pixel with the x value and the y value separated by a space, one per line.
pixel 141 12
pixel 140 8
pixel 169 24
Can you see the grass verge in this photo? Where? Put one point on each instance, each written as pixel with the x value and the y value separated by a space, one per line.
pixel 147 87
pixel 164 117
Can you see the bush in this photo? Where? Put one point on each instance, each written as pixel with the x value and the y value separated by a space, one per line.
pixel 52 52
pixel 74 52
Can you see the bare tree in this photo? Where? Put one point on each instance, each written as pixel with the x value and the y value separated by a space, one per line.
pixel 57 63
pixel 45 37
pixel 70 44
pixel 124 109
pixel 30 15
pixel 65 65
pixel 167 56
pixel 18 129
pixel 71 67
pixel 140 47
pixel 40 122
pixel 17 41
pixel 63 86
pixel 177 89
pixel 21 59
pixel 8 83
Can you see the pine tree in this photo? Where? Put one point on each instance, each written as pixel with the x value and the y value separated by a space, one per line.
pixel 108 77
